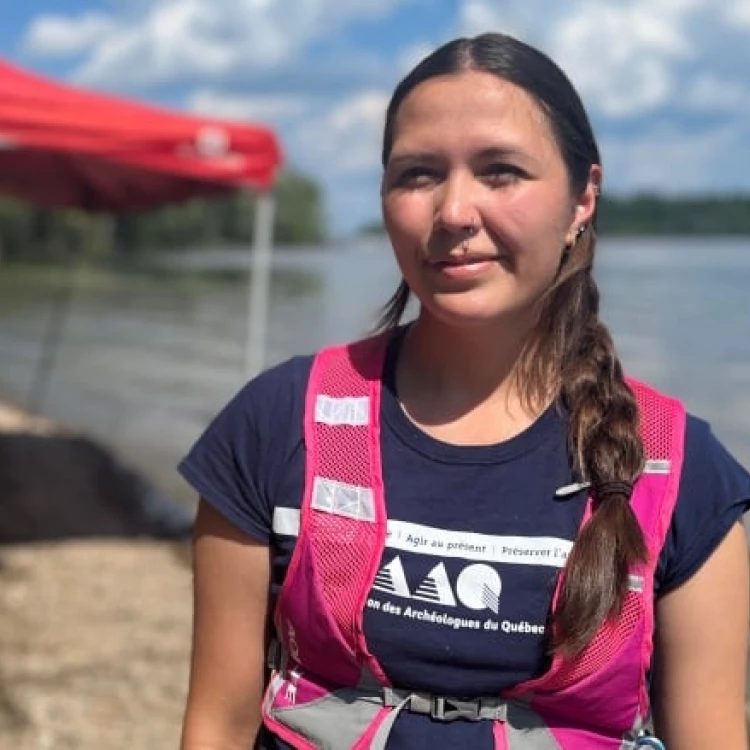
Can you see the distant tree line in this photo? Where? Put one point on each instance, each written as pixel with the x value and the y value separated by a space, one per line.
pixel 657 215
pixel 32 234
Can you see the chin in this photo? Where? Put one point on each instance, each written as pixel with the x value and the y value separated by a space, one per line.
pixel 471 316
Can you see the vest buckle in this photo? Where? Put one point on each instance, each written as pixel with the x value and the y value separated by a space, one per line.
pixel 451 709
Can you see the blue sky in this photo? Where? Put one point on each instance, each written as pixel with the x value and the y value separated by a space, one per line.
pixel 667 82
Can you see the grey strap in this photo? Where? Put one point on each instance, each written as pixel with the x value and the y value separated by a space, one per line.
pixel 380 739
pixel 444 708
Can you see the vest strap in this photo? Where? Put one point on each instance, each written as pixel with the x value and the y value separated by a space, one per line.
pixel 445 708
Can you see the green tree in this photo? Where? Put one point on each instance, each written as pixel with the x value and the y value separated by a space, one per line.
pixel 299 210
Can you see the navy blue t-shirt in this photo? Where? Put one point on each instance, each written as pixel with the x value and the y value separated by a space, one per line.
pixel 476 536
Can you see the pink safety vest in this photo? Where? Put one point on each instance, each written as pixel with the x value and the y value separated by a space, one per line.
pixel 329 691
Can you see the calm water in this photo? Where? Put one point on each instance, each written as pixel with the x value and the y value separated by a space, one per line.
pixel 145 368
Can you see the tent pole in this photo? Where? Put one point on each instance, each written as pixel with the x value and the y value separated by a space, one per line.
pixel 59 317
pixel 52 339
pixel 259 286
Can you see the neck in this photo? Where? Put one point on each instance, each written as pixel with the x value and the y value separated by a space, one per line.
pixel 462 368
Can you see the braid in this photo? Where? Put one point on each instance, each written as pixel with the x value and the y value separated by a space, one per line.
pixel 606 450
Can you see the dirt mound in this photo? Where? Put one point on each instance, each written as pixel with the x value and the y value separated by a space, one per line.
pixel 57 486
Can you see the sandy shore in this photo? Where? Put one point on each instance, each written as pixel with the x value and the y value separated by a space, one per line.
pixel 94 645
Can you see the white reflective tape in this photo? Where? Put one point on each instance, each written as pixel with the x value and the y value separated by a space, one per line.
pixel 657 467
pixel 336 411
pixel 635 583
pixel 286 521
pixel 343 499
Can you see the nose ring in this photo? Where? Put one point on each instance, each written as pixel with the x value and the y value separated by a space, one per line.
pixel 469 231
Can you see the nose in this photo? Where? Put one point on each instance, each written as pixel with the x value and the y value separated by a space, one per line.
pixel 456 205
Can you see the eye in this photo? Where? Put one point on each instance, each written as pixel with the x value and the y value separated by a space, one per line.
pixel 416 177
pixel 500 173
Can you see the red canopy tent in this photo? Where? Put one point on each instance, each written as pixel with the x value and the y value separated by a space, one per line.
pixel 66 147
pixel 61 146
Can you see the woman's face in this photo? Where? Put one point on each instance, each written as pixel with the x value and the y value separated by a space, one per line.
pixel 476 198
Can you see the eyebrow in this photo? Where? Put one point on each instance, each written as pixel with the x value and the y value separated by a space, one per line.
pixel 485 154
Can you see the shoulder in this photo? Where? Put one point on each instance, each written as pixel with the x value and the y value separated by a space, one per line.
pixel 714 493
pixel 236 463
pixel 265 408
pixel 709 468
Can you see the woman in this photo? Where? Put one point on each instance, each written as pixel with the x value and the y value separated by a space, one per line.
pixel 548 523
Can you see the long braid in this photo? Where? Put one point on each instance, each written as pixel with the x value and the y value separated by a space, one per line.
pixel 604 444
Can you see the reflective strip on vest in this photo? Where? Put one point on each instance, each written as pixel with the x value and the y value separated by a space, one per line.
pixel 342 411
pixel 343 499
pixel 657 467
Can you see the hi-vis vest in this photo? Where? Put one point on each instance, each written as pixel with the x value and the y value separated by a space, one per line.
pixel 328 692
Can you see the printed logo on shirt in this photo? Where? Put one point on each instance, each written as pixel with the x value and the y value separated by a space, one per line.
pixel 477 587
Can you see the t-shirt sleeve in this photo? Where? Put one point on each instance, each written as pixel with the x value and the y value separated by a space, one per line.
pixel 714 494
pixel 235 463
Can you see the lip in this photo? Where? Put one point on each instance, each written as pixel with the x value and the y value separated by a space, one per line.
pixel 465 266
pixel 469 259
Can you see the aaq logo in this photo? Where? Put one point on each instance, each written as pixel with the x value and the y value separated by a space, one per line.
pixel 477 586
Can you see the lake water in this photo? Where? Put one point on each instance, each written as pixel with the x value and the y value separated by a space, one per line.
pixel 145 367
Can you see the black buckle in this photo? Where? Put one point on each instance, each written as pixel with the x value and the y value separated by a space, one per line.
pixel 451 709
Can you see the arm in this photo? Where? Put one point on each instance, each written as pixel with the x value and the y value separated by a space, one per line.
pixel 701 654
pixel 231 581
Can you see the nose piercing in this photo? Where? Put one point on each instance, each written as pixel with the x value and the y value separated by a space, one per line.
pixel 469 231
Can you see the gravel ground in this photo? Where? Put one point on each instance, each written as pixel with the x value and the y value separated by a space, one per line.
pixel 94 645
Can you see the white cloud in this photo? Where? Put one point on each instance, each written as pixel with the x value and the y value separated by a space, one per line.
pixel 626 58
pixel 169 41
pixel 621 56
pixel 346 139
pixel 739 12
pixel 58 36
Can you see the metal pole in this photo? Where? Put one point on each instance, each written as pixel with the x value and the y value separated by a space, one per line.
pixel 102 231
pixel 259 286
